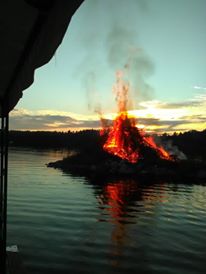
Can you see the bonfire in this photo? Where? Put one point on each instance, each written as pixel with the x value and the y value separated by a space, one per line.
pixel 124 138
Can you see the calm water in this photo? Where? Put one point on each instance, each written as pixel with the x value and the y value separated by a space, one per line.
pixel 64 224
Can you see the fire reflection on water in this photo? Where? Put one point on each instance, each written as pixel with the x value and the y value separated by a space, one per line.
pixel 121 203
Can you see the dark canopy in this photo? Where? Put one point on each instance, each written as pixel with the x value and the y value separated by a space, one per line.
pixel 30 32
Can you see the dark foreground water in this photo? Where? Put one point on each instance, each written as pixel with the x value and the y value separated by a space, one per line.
pixel 64 224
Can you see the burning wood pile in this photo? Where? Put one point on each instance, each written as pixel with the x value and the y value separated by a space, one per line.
pixel 124 138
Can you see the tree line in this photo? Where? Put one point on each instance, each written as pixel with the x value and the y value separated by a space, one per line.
pixel 192 143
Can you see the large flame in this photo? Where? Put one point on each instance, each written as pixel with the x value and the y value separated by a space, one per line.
pixel 124 138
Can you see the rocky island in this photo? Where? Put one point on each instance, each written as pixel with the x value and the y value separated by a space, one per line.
pixel 100 164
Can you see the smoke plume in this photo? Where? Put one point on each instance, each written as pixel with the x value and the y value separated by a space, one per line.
pixel 124 54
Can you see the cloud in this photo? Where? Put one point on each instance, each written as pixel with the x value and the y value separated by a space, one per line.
pixel 199 87
pixel 22 119
pixel 198 100
pixel 154 116
pixel 178 105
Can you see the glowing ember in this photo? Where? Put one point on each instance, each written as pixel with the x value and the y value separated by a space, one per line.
pixel 125 139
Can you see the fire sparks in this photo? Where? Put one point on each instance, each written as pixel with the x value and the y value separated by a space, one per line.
pixel 124 138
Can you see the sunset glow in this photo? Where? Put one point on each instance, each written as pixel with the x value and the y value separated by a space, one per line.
pixel 153 116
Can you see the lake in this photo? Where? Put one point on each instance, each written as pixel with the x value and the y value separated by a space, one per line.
pixel 64 224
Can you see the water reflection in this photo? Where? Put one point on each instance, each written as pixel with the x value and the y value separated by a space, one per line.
pixel 115 197
pixel 114 200
pixel 121 202
pixel 123 199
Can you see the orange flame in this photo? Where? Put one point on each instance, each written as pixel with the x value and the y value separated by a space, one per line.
pixel 125 139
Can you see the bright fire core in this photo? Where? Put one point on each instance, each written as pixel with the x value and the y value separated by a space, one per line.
pixel 124 138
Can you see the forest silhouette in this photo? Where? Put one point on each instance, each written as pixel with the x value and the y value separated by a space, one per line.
pixel 191 143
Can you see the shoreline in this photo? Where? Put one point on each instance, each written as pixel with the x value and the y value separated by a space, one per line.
pixel 179 171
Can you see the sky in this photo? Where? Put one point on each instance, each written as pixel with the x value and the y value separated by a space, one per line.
pixel 159 45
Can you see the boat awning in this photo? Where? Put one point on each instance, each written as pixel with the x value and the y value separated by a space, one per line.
pixel 30 31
